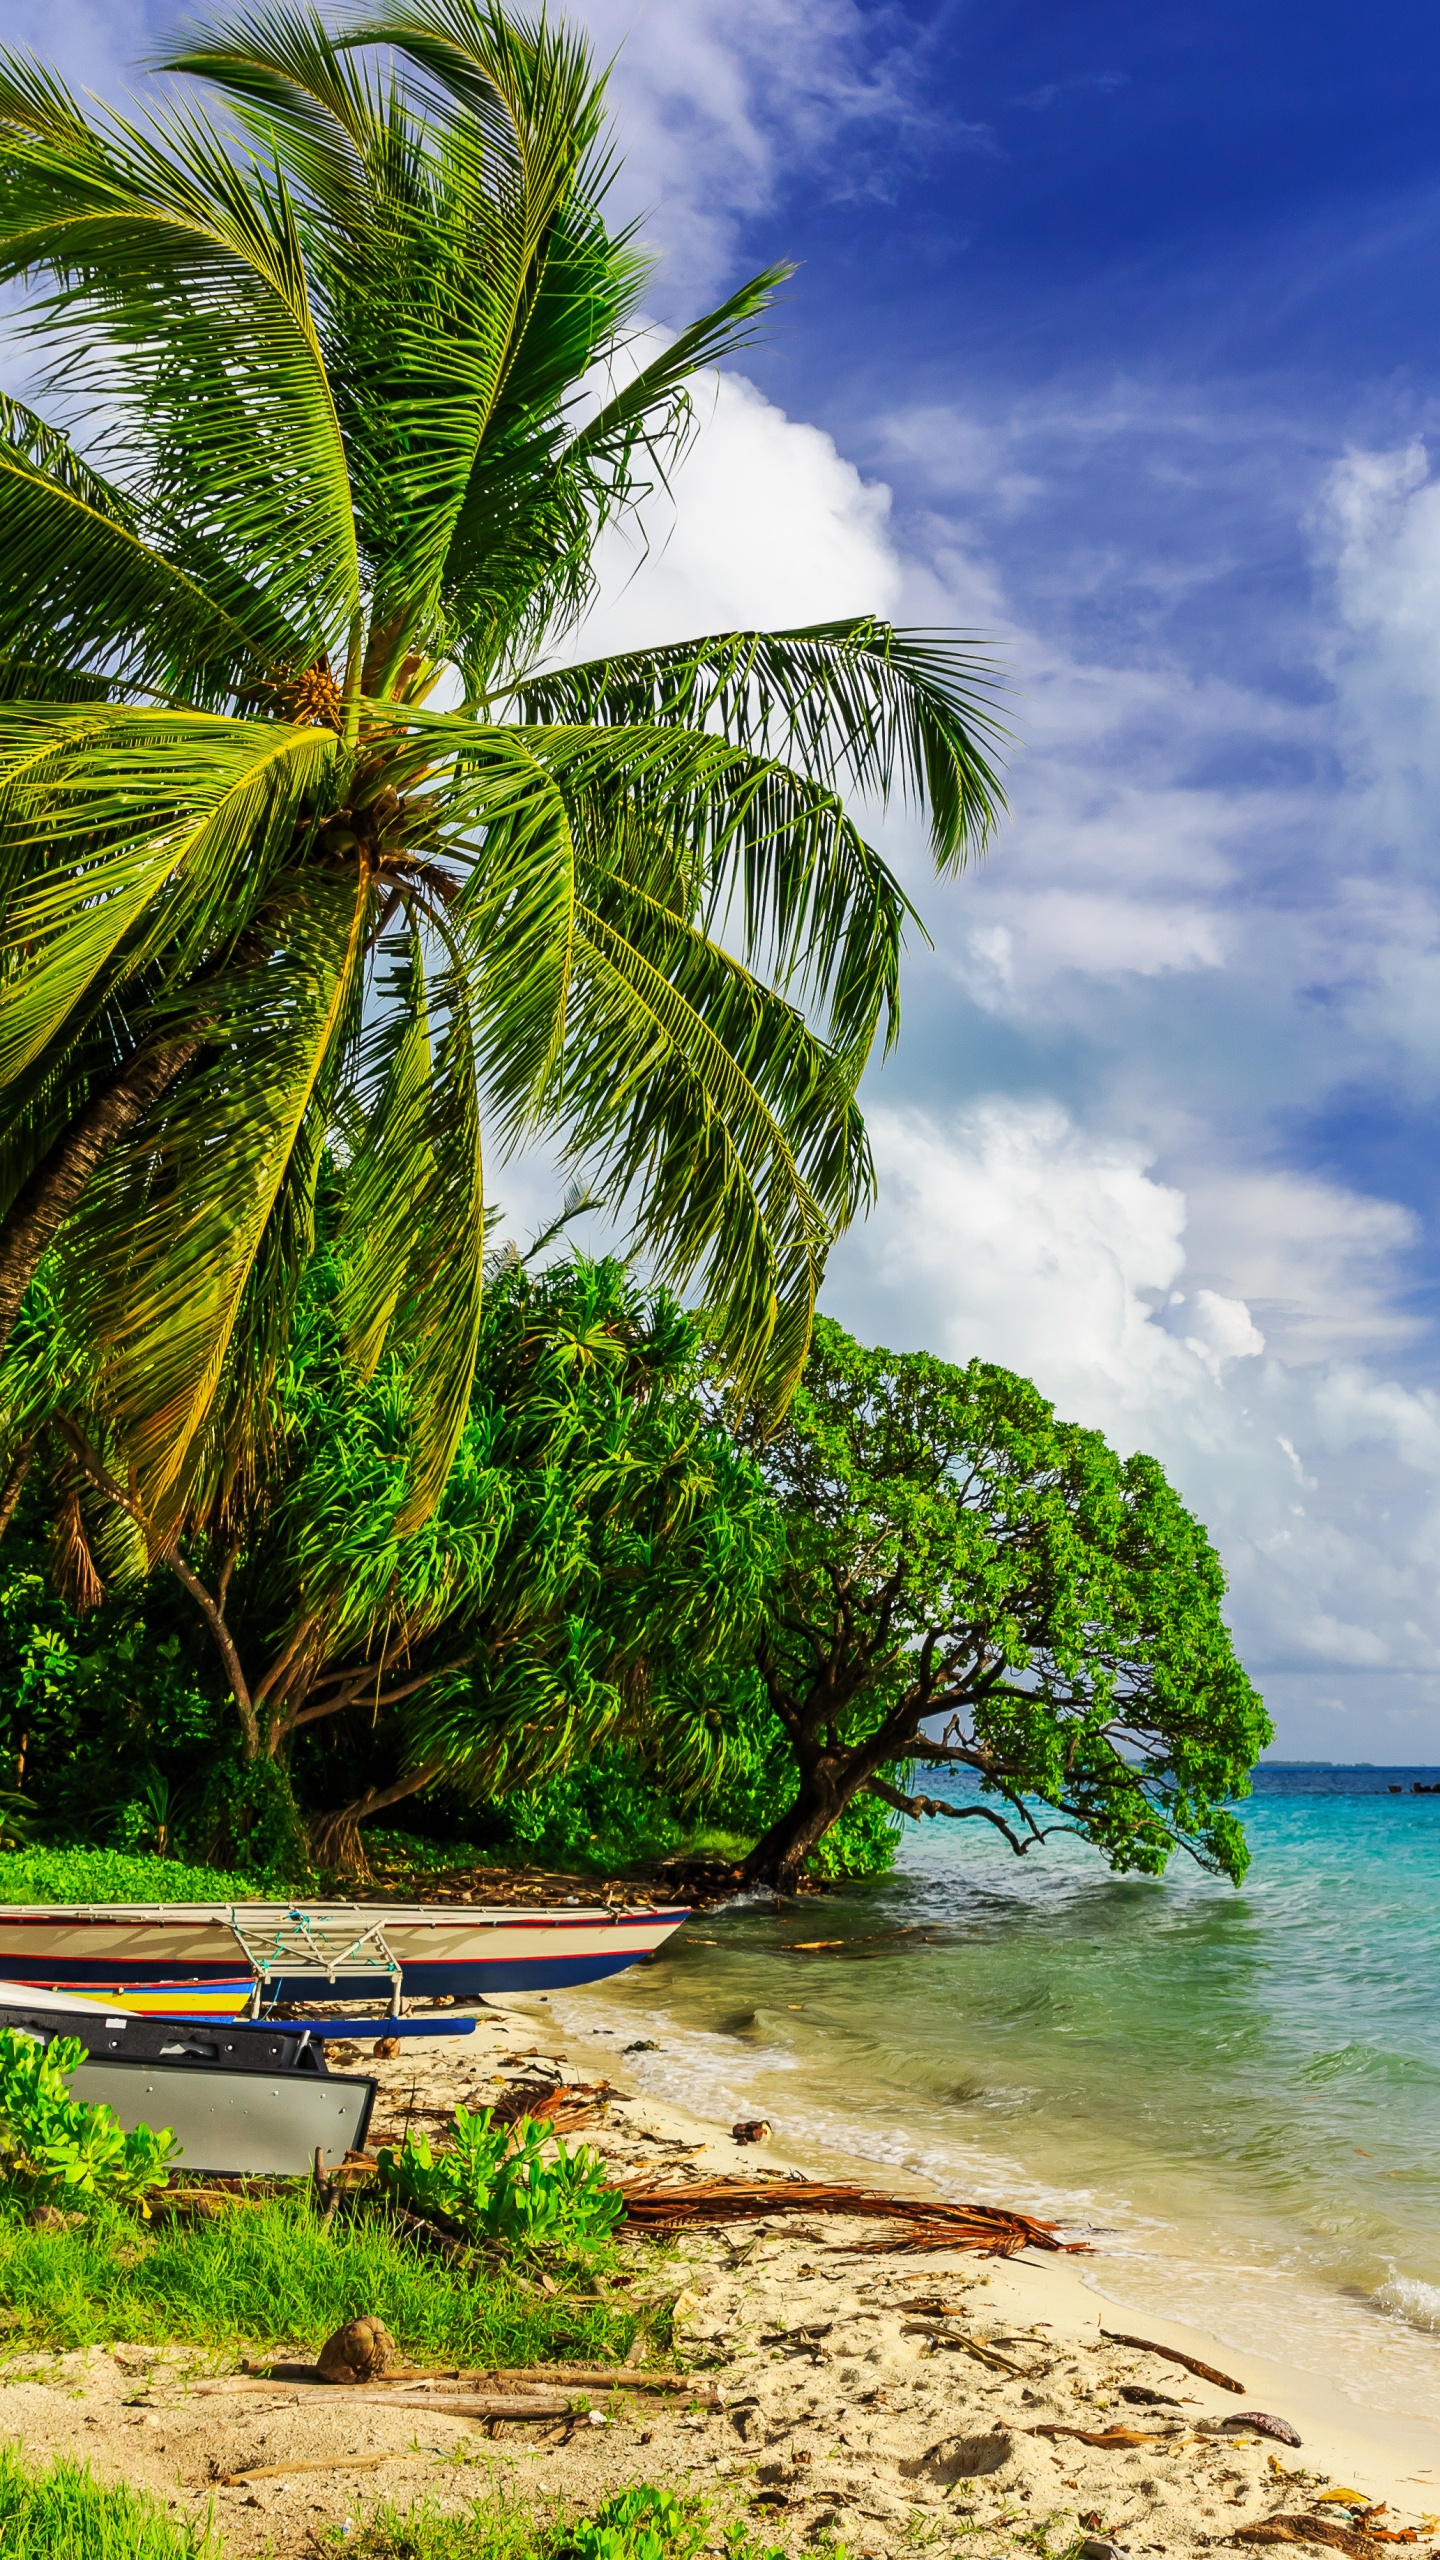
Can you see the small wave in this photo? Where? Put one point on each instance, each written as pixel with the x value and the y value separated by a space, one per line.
pixel 1406 2298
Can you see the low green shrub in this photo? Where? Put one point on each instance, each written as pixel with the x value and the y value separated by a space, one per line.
pixel 61 2513
pixel 639 2523
pixel 56 2148
pixel 269 2275
pixel 107 1875
pixel 497 2184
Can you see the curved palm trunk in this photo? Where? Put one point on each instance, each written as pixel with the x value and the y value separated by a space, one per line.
pixel 58 1182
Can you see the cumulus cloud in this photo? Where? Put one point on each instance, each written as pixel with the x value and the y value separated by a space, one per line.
pixel 1232 1316
pixel 717 101
pixel 1006 1231
pixel 764 524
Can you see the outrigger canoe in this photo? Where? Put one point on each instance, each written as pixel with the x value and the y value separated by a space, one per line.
pixel 192 1958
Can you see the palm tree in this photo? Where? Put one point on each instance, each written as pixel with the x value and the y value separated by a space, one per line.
pixel 353 380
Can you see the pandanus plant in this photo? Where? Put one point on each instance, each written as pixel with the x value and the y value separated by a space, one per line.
pixel 308 840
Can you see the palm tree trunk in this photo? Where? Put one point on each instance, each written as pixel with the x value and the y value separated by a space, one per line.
pixel 58 1181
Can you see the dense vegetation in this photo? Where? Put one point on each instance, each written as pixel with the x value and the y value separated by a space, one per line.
pixel 309 1510
pixel 631 1625
pixel 343 378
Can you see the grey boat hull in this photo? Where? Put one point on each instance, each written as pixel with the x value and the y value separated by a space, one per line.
pixel 243 2123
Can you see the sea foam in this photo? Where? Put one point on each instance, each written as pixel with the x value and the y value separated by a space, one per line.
pixel 1406 2298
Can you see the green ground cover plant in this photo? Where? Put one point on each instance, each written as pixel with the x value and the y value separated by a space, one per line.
pixel 268 2274
pixel 107 1875
pixel 61 2513
pixel 57 2149
pixel 496 2183
pixel 638 2523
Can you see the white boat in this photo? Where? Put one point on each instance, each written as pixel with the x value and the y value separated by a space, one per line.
pixel 305 1951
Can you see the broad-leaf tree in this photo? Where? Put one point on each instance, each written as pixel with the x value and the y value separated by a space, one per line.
pixel 598 1544
pixel 969 1584
pixel 338 392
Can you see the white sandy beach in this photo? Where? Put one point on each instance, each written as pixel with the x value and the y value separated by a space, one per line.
pixel 854 2401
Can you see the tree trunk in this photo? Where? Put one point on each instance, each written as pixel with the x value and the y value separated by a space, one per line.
pixel 779 1858
pixel 335 1841
pixel 58 1181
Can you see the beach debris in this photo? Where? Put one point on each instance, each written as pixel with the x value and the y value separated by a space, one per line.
pixel 563 2105
pixel 1323 2529
pixel 961 2458
pixel 986 2228
pixel 644 2044
pixel 1262 2424
pixel 1095 2547
pixel 813 1946
pixel 333 2462
pixel 360 2352
pixel 1192 2364
pixel 982 2351
pixel 385 2048
pixel 409 2378
pixel 751 2129
pixel 1110 2440
pixel 1143 2398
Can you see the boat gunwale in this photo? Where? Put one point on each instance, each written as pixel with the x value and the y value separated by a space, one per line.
pixel 385 1915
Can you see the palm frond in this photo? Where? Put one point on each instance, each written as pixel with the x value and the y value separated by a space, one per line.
pixel 155 1264
pixel 855 703
pixel 180 299
pixel 89 596
pixel 127 833
pixel 412 1238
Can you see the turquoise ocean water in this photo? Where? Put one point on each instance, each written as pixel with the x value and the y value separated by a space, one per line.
pixel 1238 2092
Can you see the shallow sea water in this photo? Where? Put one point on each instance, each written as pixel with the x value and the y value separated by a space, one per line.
pixel 1238 2092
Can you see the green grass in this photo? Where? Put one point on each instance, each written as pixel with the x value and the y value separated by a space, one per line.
pixel 108 1875
pixel 269 2275
pixel 62 2514
pixel 638 2523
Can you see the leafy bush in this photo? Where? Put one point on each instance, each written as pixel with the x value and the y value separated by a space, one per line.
pixel 497 2184
pixel 103 1875
pixel 61 2513
pixel 54 2145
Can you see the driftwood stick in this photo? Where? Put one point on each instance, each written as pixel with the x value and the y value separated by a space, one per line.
pixel 335 2462
pixel 573 2377
pixel 1192 2364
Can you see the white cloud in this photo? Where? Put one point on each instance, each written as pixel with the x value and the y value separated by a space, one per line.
pixel 765 524
pixel 1007 1231
pixel 1219 1330
pixel 716 100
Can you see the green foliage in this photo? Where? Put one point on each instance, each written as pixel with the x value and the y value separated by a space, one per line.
pixel 15 1810
pixel 496 2183
pixel 862 1842
pixel 640 2523
pixel 268 2275
pixel 249 1818
pixel 61 2513
pixel 342 449
pixel 954 1552
pixel 54 2147
pixel 102 1875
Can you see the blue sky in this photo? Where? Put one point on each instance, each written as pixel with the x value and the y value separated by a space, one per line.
pixel 1115 336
